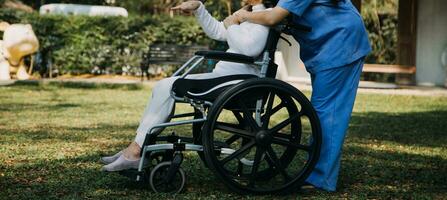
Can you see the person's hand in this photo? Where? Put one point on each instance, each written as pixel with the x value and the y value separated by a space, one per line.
pixel 188 6
pixel 242 13
pixel 231 20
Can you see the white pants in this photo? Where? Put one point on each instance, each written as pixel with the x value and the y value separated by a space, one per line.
pixel 161 103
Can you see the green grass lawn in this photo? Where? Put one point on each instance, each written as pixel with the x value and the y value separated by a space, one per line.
pixel 51 138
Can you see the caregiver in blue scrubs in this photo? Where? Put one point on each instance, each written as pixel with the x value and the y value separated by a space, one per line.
pixel 333 53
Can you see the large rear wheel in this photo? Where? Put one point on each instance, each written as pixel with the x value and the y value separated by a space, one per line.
pixel 262 136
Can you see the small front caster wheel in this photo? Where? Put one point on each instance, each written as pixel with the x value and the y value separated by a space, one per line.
pixel 164 179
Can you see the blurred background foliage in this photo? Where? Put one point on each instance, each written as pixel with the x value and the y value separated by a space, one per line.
pixel 381 20
pixel 77 44
pixel 80 43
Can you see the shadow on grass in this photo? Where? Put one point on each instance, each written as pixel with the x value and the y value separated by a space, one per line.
pixel 69 134
pixel 14 107
pixel 413 128
pixel 391 174
pixel 76 85
pixel 69 178
pixel 78 177
pixel 366 174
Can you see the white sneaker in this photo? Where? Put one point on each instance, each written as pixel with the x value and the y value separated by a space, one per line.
pixel 121 164
pixel 110 159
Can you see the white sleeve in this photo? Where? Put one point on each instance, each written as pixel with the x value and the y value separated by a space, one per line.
pixel 213 28
pixel 248 40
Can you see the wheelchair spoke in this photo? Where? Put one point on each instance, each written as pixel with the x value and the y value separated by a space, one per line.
pixel 248 116
pixel 240 168
pixel 239 117
pixel 275 109
pixel 268 111
pixel 277 163
pixel 256 163
pixel 233 129
pixel 282 135
pixel 286 142
pixel 232 139
pixel 238 153
pixel 285 123
pixel 278 107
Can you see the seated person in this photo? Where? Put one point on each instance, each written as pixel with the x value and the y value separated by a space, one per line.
pixel 245 38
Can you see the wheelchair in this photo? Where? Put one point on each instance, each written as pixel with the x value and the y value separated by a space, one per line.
pixel 257 134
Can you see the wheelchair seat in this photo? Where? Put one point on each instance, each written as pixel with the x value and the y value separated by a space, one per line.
pixel 207 89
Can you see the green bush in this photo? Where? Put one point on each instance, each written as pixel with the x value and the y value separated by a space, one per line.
pixel 80 43
pixel 381 20
pixel 382 30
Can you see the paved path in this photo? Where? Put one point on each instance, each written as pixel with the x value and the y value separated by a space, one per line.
pixel 408 90
pixel 366 87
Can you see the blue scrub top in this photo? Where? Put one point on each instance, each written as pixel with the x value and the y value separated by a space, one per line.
pixel 338 35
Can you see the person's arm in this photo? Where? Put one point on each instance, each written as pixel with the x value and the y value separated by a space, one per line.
pixel 213 28
pixel 277 14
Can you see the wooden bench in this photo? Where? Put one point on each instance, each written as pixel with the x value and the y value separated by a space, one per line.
pixel 405 74
pixel 168 54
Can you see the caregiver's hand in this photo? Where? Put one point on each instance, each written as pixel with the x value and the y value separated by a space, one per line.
pixel 231 20
pixel 188 6
pixel 242 13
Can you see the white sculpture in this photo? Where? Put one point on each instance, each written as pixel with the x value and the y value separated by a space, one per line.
pixel 19 41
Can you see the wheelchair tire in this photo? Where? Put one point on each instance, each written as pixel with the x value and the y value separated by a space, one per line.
pixel 262 156
pixel 157 179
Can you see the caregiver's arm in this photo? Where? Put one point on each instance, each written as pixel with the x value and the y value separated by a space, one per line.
pixel 268 17
pixel 278 13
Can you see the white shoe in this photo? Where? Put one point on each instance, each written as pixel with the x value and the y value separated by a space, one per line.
pixel 121 164
pixel 110 159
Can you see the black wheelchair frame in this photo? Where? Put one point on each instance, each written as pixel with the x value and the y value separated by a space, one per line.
pixel 248 153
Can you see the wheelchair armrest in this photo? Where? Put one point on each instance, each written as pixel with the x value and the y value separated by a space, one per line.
pixel 224 56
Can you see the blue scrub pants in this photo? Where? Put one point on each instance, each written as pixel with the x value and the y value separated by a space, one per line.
pixel 333 95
